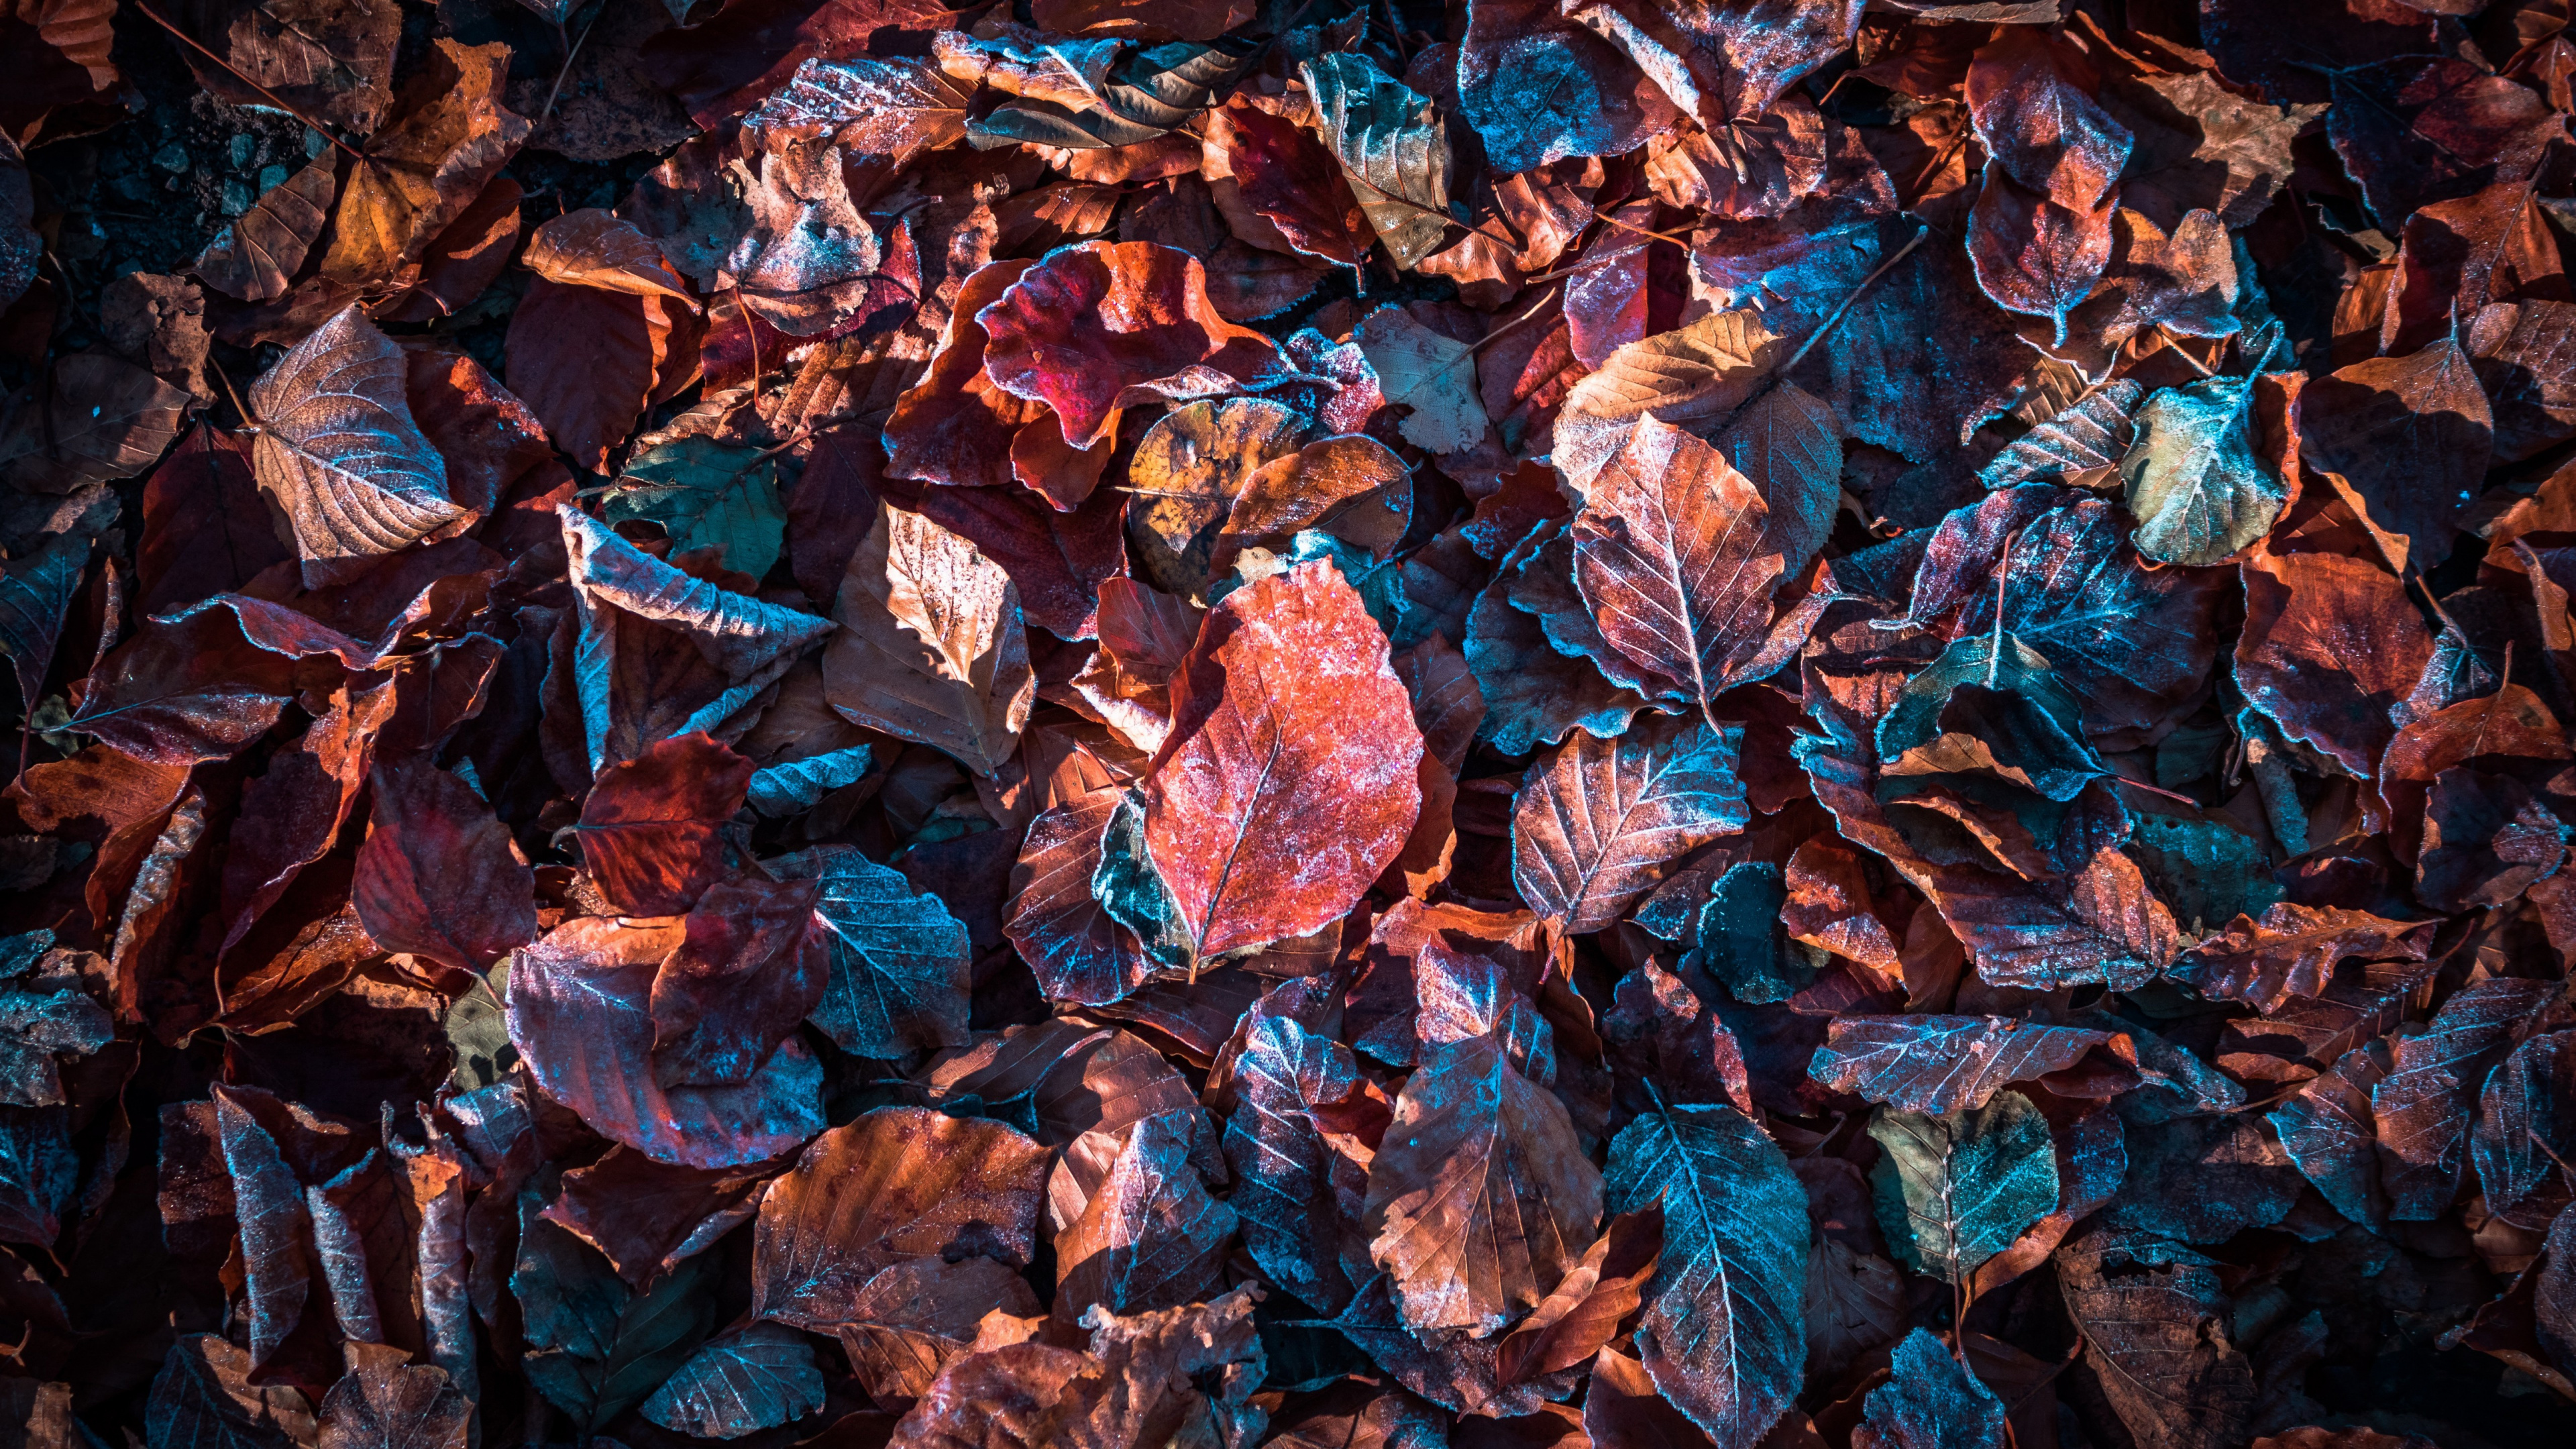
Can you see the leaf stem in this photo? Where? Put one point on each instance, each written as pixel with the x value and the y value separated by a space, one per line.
pixel 190 41
pixel 1828 324
pixel 566 68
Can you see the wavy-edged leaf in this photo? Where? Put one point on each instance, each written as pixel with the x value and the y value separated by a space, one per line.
pixel 1481 1198
pixel 256 257
pixel 339 453
pixel 1931 1402
pixel 2130 640
pixel 1724 1335
pixel 2195 479
pixel 706 494
pixel 899 971
pixel 2423 1106
pixel 1102 326
pixel 793 785
pixel 1393 146
pixel 1603 821
pixel 1299 1192
pixel 1955 1189
pixel 898 1185
pixel 1289 780
pixel 931 647
pixel 580 1016
pixel 2292 951
pixel 448 136
pixel 1945 1063
pixel 757 1377
pixel 387 1402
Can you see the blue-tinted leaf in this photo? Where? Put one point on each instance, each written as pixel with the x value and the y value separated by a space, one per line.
pixel 2329 1133
pixel 44 1017
pixel 1954 1190
pixel 706 494
pixel 784 789
pixel 1724 1334
pixel 2422 1107
pixel 598 1347
pixel 1741 940
pixel 1298 1194
pixel 1931 1401
pixel 2206 871
pixel 2204 1179
pixel 39 1174
pixel 1131 892
pixel 1944 1063
pixel 756 1378
pixel 899 960
pixel 1534 693
pixel 2527 1131
pixel 1539 87
pixel 34 593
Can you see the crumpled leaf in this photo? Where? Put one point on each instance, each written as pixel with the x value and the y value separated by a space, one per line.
pixel 448 135
pixel 1932 1402
pixel 1723 1335
pixel 2172 1373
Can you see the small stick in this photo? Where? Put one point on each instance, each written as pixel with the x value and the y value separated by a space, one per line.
pixel 566 69
pixel 190 41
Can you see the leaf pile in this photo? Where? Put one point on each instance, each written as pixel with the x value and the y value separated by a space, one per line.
pixel 1117 722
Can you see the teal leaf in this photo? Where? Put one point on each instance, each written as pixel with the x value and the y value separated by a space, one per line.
pixel 704 493
pixel 1954 1190
pixel 1724 1331
pixel 1930 1401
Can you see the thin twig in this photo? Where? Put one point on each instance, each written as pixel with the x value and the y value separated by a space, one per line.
pixel 566 68
pixel 1828 324
pixel 190 41
pixel 1682 242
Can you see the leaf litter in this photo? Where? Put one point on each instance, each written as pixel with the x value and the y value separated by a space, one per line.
pixel 1119 723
